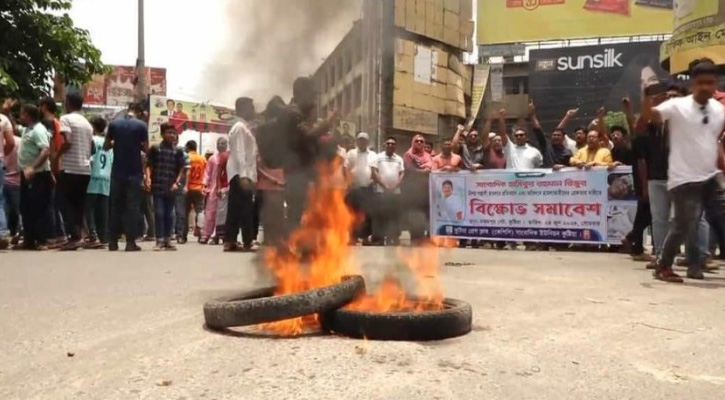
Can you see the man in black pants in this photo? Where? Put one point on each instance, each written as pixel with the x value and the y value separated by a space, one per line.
pixel 36 182
pixel 695 180
pixel 302 147
pixel 128 137
pixel 75 170
pixel 242 173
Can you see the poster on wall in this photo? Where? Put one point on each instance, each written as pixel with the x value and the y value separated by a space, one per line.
pixel 188 115
pixel 590 77
pixel 568 206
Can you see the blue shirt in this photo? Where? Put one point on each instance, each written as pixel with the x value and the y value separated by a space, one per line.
pixel 100 169
pixel 128 136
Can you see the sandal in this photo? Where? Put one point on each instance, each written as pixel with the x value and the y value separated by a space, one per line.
pixel 232 248
pixel 668 275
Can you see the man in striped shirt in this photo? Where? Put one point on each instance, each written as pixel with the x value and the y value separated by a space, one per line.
pixel 75 171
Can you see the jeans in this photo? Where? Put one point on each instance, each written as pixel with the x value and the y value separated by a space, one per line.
pixel 180 215
pixel 386 220
pixel 642 220
pixel 360 201
pixel 690 200
pixel 35 195
pixel 146 223
pixel 697 246
pixel 125 208
pixel 240 213
pixel 660 207
pixel 164 217
pixel 55 226
pixel 97 216
pixel 194 200
pixel 72 190
pixel 11 198
pixel 3 218
pixel 659 203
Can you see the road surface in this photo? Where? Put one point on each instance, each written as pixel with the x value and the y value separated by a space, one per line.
pixel 96 325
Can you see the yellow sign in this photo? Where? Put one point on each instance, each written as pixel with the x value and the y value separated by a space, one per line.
pixel 513 21
pixel 699 32
pixel 694 14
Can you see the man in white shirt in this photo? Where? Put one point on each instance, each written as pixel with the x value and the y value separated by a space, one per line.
pixel 242 175
pixel 7 143
pixel 695 182
pixel 75 172
pixel 358 163
pixel 450 207
pixel 519 154
pixel 387 173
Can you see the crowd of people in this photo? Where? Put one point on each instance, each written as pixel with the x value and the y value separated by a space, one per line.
pixel 70 183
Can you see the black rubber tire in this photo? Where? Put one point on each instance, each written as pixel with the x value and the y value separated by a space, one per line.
pixel 454 320
pixel 257 306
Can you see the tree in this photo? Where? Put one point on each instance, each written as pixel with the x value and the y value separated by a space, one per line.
pixel 38 41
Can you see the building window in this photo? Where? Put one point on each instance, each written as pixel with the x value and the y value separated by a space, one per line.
pixel 516 85
pixel 332 76
pixel 349 60
pixel 338 102
pixel 340 68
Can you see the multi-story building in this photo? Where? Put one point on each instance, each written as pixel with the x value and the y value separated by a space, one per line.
pixel 399 72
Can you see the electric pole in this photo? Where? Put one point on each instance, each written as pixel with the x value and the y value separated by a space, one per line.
pixel 140 61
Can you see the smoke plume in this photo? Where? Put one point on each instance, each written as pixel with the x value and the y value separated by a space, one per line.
pixel 271 42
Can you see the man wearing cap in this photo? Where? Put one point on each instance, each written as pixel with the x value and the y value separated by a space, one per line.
pixel 360 197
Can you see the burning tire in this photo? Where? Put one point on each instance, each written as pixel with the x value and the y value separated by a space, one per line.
pixel 258 306
pixel 454 320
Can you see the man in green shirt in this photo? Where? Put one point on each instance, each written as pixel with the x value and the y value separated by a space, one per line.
pixel 36 182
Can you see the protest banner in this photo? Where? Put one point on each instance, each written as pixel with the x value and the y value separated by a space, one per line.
pixel 567 206
pixel 188 115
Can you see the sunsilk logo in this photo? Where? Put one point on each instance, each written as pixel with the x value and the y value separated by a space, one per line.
pixel 608 59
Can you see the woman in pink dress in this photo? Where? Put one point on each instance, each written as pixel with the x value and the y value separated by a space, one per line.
pixel 210 184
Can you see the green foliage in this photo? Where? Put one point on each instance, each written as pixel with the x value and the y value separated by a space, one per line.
pixel 38 39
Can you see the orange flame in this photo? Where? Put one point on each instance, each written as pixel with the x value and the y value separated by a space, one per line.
pixel 391 296
pixel 322 239
pixel 318 255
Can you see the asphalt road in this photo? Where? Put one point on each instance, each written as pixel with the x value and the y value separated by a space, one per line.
pixel 95 325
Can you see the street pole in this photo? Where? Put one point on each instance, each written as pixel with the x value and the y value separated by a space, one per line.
pixel 140 62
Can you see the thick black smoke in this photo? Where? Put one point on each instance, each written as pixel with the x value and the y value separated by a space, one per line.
pixel 271 42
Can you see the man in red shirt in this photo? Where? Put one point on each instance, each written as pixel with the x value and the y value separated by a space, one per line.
pixel 447 161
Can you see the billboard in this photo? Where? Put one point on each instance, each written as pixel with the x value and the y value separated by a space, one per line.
pixel 188 115
pixel 590 77
pixel 117 88
pixel 512 21
pixel 699 32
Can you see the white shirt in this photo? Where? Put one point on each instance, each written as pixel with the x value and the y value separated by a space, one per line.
pixel 358 163
pixel 522 157
pixel 79 133
pixel 5 126
pixel 694 146
pixel 389 169
pixel 242 152
pixel 571 144
pixel 451 209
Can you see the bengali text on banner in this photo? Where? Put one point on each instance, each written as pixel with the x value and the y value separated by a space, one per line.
pixel 568 206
